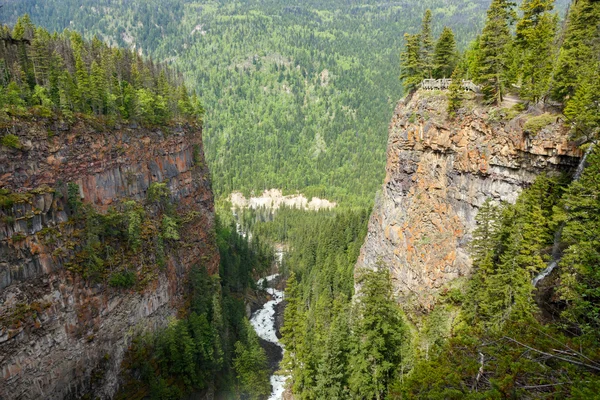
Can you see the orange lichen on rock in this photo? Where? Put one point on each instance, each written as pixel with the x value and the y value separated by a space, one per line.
pixel 439 171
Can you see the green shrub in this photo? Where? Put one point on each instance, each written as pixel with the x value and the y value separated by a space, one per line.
pixel 536 124
pixel 124 279
pixel 158 192
pixel 520 107
pixel 170 228
pixel 197 160
pixel 8 219
pixel 511 113
pixel 73 197
pixel 11 141
pixel 6 199
pixel 18 237
pixel 454 296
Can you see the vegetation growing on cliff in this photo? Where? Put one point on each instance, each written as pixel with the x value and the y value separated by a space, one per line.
pixel 486 337
pixel 213 347
pixel 126 246
pixel 535 60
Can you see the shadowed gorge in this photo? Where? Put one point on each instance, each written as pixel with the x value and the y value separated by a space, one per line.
pixel 197 200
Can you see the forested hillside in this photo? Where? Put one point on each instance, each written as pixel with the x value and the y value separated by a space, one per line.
pixel 499 333
pixel 44 74
pixel 298 96
pixel 102 148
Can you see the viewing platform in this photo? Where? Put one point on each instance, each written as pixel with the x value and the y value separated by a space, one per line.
pixel 444 84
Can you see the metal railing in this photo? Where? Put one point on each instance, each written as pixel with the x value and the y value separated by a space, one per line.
pixel 444 84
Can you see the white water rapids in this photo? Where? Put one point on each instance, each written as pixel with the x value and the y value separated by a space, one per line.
pixel 263 322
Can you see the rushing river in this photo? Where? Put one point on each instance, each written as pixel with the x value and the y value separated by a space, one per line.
pixel 263 322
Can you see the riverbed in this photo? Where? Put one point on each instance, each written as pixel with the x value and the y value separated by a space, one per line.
pixel 264 323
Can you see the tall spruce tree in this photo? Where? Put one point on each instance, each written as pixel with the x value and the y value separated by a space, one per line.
pixel 580 265
pixel 535 33
pixel 494 50
pixel 579 50
pixel 411 72
pixel 427 46
pixel 333 373
pixel 583 110
pixel 576 80
pixel 379 331
pixel 446 56
pixel 293 332
pixel 250 364
pixel 455 92
pixel 483 248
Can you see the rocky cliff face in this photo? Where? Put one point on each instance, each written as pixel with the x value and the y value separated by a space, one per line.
pixel 439 171
pixel 74 290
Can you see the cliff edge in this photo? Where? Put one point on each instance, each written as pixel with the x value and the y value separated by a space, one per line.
pixel 100 225
pixel 440 171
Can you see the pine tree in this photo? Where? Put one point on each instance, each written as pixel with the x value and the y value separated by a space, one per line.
pixel 292 330
pixel 579 50
pixel 411 72
pixel 579 267
pixel 24 28
pixel 39 56
pixel 446 55
pixel 426 50
pixel 250 364
pixel 577 76
pixel 184 104
pixel 494 50
pixel 82 75
pixel 97 88
pixel 379 331
pixel 24 32
pixel 470 60
pixel 483 249
pixel 333 373
pixel 535 33
pixel 583 110
pixel 54 72
pixel 455 92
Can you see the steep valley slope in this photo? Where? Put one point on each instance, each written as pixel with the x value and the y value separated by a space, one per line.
pixel 75 287
pixel 439 172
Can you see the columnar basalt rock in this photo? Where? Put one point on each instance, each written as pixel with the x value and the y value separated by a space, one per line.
pixel 439 172
pixel 62 336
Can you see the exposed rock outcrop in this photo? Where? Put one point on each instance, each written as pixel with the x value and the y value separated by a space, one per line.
pixel 63 335
pixel 439 171
pixel 274 199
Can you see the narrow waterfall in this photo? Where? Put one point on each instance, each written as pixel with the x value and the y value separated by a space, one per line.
pixel 558 234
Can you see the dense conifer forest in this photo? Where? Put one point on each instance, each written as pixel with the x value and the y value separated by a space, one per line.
pixel 487 336
pixel 211 346
pixel 305 105
pixel 298 96
pixel 522 52
pixel 214 347
pixel 44 74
